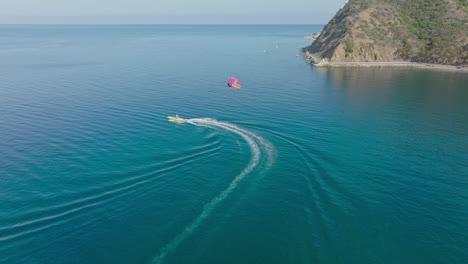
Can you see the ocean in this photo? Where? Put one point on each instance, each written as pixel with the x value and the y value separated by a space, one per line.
pixel 301 165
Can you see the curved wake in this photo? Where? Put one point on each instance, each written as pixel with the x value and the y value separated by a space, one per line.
pixel 256 143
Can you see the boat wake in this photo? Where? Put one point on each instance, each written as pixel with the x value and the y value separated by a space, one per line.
pixel 258 146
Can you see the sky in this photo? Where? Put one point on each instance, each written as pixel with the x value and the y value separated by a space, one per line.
pixel 168 11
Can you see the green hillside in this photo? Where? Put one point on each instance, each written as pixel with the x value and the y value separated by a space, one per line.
pixel 433 31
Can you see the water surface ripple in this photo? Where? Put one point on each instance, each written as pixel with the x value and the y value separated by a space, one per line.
pixel 301 165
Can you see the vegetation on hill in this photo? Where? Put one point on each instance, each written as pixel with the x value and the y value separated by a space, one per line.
pixel 433 31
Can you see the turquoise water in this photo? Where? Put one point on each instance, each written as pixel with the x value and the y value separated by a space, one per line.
pixel 302 165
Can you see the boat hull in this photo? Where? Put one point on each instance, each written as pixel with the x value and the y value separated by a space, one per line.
pixel 175 119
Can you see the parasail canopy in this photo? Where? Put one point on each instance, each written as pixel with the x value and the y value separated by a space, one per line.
pixel 233 82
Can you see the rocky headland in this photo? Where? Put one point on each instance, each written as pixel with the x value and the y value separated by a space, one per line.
pixel 382 33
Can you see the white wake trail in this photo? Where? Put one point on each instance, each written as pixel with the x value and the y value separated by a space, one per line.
pixel 251 139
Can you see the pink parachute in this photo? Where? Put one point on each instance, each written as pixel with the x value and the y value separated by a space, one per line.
pixel 233 82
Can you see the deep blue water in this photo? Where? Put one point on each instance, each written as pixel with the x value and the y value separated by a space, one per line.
pixel 301 165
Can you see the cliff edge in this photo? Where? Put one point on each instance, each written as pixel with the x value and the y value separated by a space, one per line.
pixel 427 31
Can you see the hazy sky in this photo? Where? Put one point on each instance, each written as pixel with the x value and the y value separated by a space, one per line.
pixel 169 11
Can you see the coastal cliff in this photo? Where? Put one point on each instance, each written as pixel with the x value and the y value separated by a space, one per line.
pixel 424 31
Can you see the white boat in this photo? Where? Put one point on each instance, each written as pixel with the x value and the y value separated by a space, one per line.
pixel 175 119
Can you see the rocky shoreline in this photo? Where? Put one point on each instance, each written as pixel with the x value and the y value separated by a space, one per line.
pixel 430 34
pixel 313 36
pixel 320 62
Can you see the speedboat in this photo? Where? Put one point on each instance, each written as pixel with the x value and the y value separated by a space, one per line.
pixel 175 119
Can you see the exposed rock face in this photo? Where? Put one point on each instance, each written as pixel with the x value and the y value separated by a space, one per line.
pixel 434 31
